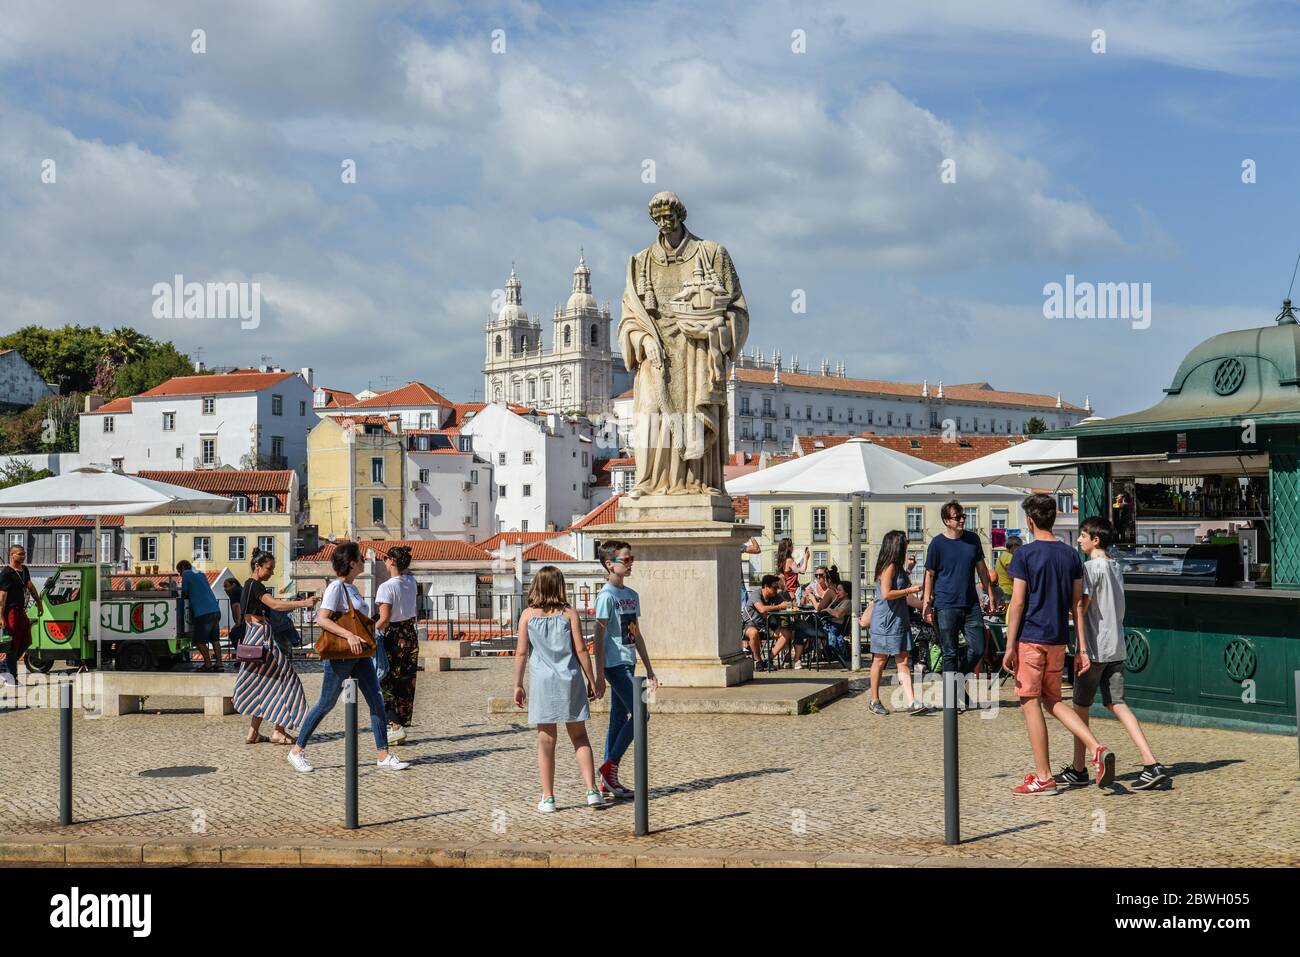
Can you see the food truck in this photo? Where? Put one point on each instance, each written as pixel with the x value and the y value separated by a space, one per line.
pixel 140 630
pixel 1212 629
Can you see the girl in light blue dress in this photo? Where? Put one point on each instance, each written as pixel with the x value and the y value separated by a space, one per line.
pixel 560 681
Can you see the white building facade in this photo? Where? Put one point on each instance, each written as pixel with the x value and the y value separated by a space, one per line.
pixel 579 373
pixel 542 466
pixel 246 419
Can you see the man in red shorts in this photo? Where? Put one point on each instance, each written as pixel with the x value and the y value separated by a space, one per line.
pixel 15 583
pixel 1046 580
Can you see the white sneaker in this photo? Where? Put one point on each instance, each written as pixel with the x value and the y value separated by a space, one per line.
pixel 546 805
pixel 299 761
pixel 396 734
pixel 596 799
pixel 391 763
pixel 798 666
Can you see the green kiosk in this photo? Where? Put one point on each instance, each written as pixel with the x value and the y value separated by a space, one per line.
pixel 1212 629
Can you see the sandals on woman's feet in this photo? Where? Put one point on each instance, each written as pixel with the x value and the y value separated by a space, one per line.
pixel 259 739
pixel 282 739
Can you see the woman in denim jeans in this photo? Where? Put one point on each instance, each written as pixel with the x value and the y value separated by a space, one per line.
pixel 347 563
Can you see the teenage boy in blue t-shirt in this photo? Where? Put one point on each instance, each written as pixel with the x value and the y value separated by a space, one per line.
pixel 618 642
pixel 1046 584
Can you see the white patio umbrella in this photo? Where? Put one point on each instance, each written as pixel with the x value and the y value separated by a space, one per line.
pixel 1029 458
pixel 93 492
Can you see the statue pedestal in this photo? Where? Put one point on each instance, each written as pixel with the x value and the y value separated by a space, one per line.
pixel 687 572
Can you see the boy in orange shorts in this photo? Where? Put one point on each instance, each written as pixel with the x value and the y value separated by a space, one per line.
pixel 1046 584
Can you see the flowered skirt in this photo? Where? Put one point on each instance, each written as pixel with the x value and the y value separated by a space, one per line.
pixel 269 689
pixel 403 662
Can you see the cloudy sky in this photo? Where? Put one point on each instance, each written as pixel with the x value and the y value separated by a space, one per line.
pixel 819 170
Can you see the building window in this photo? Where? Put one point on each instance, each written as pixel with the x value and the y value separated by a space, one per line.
pixel 169 421
pixel 767 405
pixel 909 420
pixel 277 449
pixel 473 476
pixel 501 458
pixel 424 476
pixel 568 337
pixel 237 548
pixel 819 524
pixel 998 518
pixel 780 522
pixel 62 547
pixel 532 390
pixel 595 335
pixel 528 491
pixel 277 405
pixel 915 523
pixel 744 405
pixel 148 548
pixel 241 503
pixel 546 388
pixel 830 412
pixel 889 418
pixel 118 463
pixel 473 514
pixel 820 558
pixel 376 511
pixel 528 458
pixel 789 433
pixel 498 345
pixel 972 519
pixel 209 405
pixel 808 412
pixel 465 443
pixel 209 451
pixel 18 538
pixel 203 548
pixel 426 420
pixel 424 514
pixel 108 423
pixel 584 460
pixel 302 408
pixel 377 470
pixel 523 525
pixel 266 544
pixel 501 491
pixel 850 415
pixel 268 503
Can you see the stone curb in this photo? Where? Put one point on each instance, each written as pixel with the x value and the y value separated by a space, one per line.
pixel 38 849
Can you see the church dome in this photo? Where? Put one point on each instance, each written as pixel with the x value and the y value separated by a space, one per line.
pixel 513 311
pixel 581 299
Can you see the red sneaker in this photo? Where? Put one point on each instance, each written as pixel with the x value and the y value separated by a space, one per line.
pixel 1104 763
pixel 609 780
pixel 1034 785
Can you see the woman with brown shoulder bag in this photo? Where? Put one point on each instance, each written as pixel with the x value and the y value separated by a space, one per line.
pixel 346 647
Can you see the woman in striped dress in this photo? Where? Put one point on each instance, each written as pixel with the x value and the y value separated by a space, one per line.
pixel 269 688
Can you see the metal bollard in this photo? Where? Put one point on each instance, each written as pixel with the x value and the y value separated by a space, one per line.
pixel 951 787
pixel 350 753
pixel 641 787
pixel 65 753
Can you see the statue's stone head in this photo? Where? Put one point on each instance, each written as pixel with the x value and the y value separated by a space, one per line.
pixel 667 211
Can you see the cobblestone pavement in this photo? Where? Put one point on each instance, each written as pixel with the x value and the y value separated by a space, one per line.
pixel 839 780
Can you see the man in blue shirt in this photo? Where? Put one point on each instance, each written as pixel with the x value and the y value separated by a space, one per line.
pixel 207 614
pixel 954 562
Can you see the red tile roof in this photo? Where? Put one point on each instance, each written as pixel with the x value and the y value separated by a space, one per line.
pixel 931 448
pixel 223 481
pixel 117 406
pixel 611 464
pixel 978 392
pixel 542 552
pixel 62 521
pixel 212 384
pixel 337 397
pixel 602 514
pixel 413 393
pixel 493 542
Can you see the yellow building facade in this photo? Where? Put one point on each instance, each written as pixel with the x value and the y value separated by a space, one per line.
pixel 356 478
pixel 210 542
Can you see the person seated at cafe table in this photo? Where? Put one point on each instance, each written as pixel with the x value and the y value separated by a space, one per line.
pixel 770 599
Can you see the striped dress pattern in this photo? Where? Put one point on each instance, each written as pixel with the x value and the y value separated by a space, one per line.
pixel 269 689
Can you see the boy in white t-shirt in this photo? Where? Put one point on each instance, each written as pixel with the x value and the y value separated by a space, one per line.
pixel 1103 603
pixel 618 642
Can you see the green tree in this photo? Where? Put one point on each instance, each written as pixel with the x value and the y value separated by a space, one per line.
pixel 155 368
pixel 67 356
pixel 15 472
pixel 1035 426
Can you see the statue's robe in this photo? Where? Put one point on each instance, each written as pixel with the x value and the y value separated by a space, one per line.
pixel 680 409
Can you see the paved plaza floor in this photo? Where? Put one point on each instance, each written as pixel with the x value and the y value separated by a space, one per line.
pixel 838 781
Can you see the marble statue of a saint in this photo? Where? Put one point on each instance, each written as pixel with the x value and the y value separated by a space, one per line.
pixel 684 319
